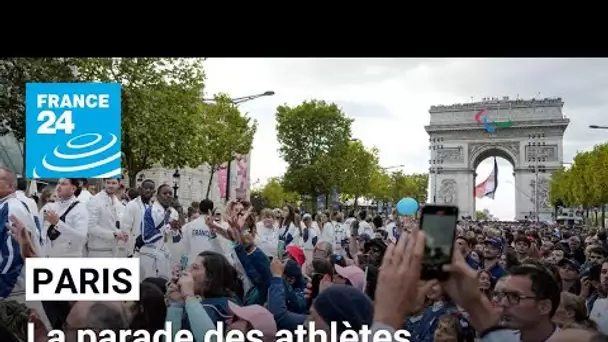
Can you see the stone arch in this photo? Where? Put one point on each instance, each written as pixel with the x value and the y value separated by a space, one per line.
pixel 505 151
pixel 460 143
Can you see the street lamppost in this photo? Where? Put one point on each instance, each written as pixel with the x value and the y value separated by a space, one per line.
pixel 436 145
pixel 176 177
pixel 598 127
pixel 237 101
pixel 392 167
pixel 536 165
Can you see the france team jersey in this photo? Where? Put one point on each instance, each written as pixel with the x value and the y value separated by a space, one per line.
pixel 154 224
pixel 12 280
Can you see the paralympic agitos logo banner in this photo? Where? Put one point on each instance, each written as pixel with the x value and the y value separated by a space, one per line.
pixel 482 118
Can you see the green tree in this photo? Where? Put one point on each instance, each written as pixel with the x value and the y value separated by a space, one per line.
pixel 581 171
pixel 481 216
pixel 420 183
pixel 401 186
pixel 557 186
pixel 161 108
pixel 313 138
pixel 584 183
pixel 275 195
pixel 598 176
pixel 380 185
pixel 361 166
pixel 225 132
pixel 409 185
pixel 564 186
pixel 14 74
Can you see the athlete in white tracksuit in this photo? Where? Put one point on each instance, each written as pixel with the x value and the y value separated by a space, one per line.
pixel 154 255
pixel 103 232
pixel 69 235
pixel 132 218
pixel 310 236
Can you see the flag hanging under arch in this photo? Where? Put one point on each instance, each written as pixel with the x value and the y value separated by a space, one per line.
pixel 488 187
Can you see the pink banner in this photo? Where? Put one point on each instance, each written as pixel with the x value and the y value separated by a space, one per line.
pixel 242 186
pixel 222 179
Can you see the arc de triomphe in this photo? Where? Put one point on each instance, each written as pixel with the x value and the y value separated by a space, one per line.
pixel 465 143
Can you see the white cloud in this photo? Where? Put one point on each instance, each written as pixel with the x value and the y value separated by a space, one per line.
pixel 390 98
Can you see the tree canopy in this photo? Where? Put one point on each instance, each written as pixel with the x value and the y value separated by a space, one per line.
pixel 380 187
pixel 224 132
pixel 481 216
pixel 161 108
pixel 408 185
pixel 14 74
pixel 386 186
pixel 361 166
pixel 313 138
pixel 321 155
pixel 584 183
pixel 274 194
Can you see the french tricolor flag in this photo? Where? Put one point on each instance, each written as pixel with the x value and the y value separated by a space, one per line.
pixel 488 187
